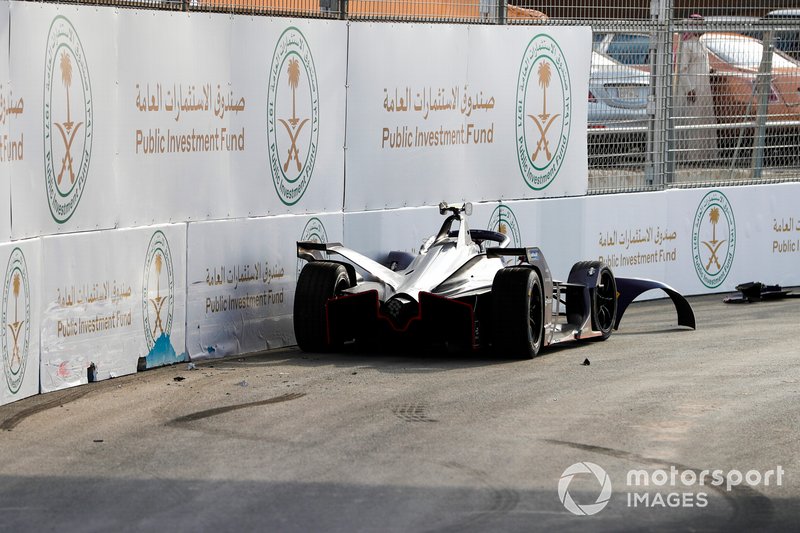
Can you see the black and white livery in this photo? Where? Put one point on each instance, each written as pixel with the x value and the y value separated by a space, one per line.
pixel 459 291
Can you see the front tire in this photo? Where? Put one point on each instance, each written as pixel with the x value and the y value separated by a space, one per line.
pixel 603 296
pixel 319 281
pixel 517 312
pixel 604 302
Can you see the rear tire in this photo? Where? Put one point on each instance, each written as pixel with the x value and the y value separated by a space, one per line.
pixel 319 281
pixel 517 312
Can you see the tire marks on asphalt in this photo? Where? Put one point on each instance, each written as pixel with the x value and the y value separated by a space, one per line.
pixel 412 412
pixel 199 415
pixel 501 500
pixel 50 402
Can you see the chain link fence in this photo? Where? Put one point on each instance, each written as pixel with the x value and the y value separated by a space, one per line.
pixel 681 92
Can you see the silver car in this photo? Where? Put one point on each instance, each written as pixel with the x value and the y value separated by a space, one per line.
pixel 458 291
pixel 617 117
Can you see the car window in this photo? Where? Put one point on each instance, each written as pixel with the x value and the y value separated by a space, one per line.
pixel 630 49
pixel 741 51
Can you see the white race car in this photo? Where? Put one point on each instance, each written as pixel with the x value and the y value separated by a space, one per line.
pixel 458 291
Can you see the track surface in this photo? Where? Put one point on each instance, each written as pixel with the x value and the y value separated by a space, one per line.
pixel 405 441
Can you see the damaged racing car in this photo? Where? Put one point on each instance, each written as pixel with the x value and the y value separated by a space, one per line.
pixel 458 291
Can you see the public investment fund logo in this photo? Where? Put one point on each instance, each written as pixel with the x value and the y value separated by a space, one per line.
pixel 504 221
pixel 16 320
pixel 314 231
pixel 292 116
pixel 543 111
pixel 158 292
pixel 713 239
pixel 586 509
pixel 67 119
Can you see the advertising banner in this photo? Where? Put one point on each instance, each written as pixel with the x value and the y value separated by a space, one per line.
pixel 473 113
pixel 11 109
pixel 257 133
pixel 737 235
pixel 19 337
pixel 113 302
pixel 64 69
pixel 242 276
pixel 632 234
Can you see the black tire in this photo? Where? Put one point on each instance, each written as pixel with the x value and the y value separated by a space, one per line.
pixel 319 281
pixel 604 295
pixel 517 312
pixel 604 303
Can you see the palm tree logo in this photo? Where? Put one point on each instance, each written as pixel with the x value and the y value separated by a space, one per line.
pixel 16 326
pixel 66 128
pixel 294 125
pixel 714 245
pixel 158 301
pixel 545 74
pixel 543 120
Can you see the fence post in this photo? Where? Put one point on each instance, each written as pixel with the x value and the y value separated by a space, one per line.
pixel 660 168
pixel 502 8
pixel 343 9
pixel 763 89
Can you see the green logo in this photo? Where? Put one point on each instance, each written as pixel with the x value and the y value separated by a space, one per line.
pixel 504 221
pixel 16 319
pixel 67 119
pixel 713 239
pixel 158 290
pixel 543 111
pixel 314 231
pixel 292 116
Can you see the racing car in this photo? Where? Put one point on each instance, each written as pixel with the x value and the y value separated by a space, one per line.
pixel 458 290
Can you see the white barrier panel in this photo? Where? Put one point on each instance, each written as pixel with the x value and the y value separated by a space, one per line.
pixel 19 337
pixel 632 234
pixel 477 111
pixel 64 68
pixel 11 143
pixel 242 277
pixel 259 133
pixel 738 234
pixel 113 301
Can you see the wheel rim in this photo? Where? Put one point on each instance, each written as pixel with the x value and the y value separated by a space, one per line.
pixel 606 301
pixel 535 315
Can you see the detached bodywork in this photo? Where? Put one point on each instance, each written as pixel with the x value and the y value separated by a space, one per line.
pixel 458 291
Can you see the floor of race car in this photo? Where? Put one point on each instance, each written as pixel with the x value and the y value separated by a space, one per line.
pixel 421 441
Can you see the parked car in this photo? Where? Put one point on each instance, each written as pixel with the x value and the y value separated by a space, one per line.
pixel 632 49
pixel 735 60
pixel 787 37
pixel 617 118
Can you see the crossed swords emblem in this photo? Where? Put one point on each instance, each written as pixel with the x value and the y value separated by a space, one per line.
pixel 294 153
pixel 68 137
pixel 158 304
pixel 543 123
pixel 15 328
pixel 713 247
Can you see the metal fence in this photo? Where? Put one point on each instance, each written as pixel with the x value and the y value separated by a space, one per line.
pixel 681 93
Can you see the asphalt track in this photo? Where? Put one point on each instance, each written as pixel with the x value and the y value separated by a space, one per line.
pixel 425 441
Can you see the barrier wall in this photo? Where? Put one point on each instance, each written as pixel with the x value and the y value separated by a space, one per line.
pixel 242 275
pixel 154 199
pixel 121 134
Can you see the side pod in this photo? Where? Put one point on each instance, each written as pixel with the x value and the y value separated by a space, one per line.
pixel 630 288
